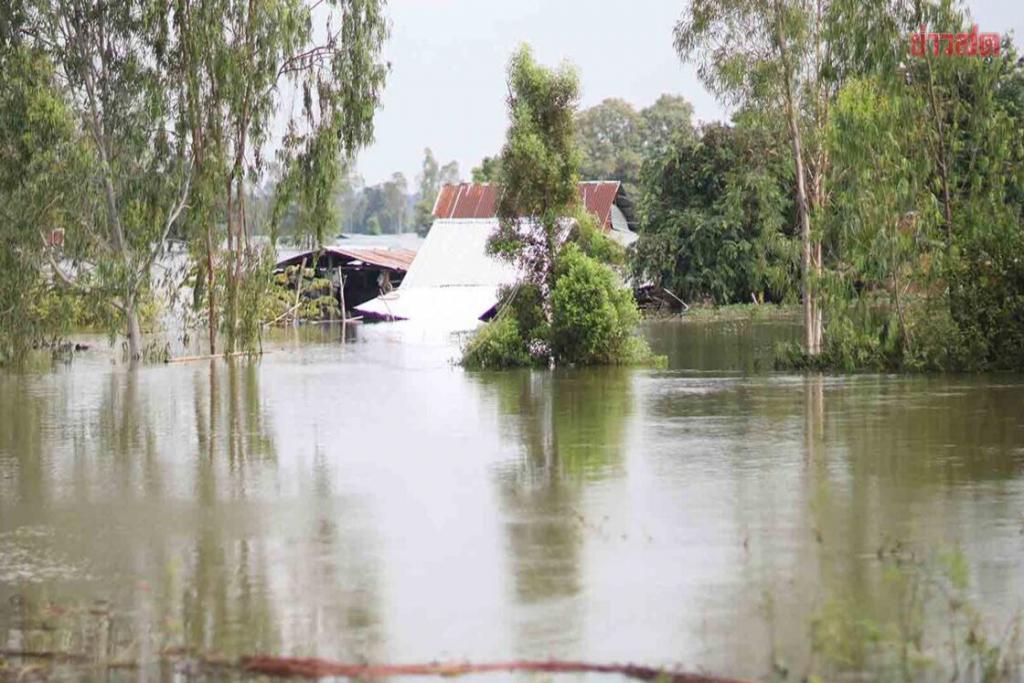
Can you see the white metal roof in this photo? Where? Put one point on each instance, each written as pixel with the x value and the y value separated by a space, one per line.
pixel 452 278
pixel 455 254
pixel 451 308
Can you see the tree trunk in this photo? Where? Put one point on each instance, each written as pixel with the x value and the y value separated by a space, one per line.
pixel 134 331
pixel 211 292
pixel 232 305
pixel 812 328
pixel 812 317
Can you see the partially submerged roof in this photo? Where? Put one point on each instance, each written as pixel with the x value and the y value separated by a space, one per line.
pixel 453 280
pixel 398 260
pixel 480 200
pixel 454 254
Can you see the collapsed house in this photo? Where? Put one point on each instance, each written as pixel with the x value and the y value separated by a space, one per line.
pixel 453 281
pixel 357 274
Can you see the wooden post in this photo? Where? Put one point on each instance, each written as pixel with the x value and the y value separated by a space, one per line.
pixel 298 288
pixel 341 274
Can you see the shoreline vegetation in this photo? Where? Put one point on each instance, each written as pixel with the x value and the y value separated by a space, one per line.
pixel 881 192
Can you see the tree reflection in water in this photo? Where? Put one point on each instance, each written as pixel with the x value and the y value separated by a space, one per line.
pixel 569 427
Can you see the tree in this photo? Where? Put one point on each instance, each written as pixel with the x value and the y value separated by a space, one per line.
pixel 882 221
pixel 610 137
pixel 42 165
pixel 429 181
pixel 567 306
pixel 774 54
pixel 615 139
pixel 396 202
pixel 716 213
pixel 670 116
pixel 351 202
pixel 450 173
pixel 539 167
pixel 121 94
pixel 488 171
pixel 927 204
pixel 233 58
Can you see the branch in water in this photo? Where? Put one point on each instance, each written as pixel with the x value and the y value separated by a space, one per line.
pixel 321 668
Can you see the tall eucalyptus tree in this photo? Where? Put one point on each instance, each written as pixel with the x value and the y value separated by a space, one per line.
pixel 775 55
pixel 108 71
pixel 243 65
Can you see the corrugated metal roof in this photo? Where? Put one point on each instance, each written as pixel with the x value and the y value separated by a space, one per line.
pixel 479 200
pixel 392 259
pixel 455 254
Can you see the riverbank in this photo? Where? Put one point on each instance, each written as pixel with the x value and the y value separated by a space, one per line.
pixel 733 312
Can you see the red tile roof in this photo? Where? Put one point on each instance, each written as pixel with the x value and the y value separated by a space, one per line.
pixel 479 200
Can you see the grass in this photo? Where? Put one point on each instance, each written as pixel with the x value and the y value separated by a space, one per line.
pixel 734 312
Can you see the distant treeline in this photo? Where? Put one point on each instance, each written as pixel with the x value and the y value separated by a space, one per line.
pixel 613 138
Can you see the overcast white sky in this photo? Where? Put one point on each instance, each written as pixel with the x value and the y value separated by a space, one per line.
pixel 446 89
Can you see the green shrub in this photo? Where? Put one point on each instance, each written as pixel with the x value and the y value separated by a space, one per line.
pixel 497 345
pixel 593 242
pixel 987 300
pixel 592 315
pixel 525 303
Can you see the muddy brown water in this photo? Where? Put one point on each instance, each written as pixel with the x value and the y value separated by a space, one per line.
pixel 363 499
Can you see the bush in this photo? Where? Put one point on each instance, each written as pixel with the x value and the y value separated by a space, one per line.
pixel 987 295
pixel 525 303
pixel 593 242
pixel 592 321
pixel 497 345
pixel 592 315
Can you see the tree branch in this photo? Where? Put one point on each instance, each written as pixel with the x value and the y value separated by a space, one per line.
pixel 171 217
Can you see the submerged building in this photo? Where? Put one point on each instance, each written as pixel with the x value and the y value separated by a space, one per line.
pixel 358 274
pixel 453 281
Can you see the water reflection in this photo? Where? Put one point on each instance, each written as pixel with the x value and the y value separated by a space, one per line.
pixel 369 501
pixel 570 428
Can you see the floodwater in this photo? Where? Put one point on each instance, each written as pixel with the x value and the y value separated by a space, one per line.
pixel 361 498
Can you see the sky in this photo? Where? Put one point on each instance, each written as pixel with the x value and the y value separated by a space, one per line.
pixel 446 89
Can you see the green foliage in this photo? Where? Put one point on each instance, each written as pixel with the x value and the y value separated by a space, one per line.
pixel 539 165
pixel 610 137
pixel 614 138
pixel 592 240
pixel 276 300
pixel 40 160
pixel 432 177
pixel 525 303
pixel 934 629
pixel 489 170
pixel 593 317
pixel 717 217
pixel 497 345
pixel 987 300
